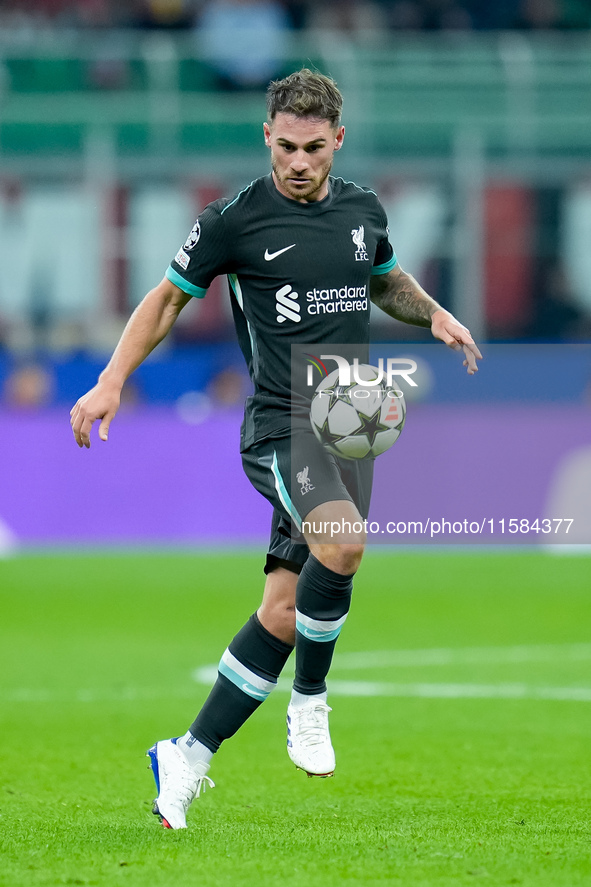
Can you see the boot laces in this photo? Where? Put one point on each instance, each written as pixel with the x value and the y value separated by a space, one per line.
pixel 190 786
pixel 313 724
pixel 202 783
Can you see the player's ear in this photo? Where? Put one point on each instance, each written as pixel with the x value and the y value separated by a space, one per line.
pixel 338 139
pixel 267 132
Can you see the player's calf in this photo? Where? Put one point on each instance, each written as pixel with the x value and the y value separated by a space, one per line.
pixel 323 598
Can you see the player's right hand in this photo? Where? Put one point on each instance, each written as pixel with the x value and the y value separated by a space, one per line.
pixel 101 402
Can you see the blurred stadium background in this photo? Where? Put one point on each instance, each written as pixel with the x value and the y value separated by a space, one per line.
pixel 119 121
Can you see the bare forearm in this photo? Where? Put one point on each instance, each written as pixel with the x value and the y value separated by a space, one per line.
pixel 147 326
pixel 399 295
pixel 151 321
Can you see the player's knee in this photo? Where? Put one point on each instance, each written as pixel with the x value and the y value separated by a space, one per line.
pixel 343 558
pixel 350 557
pixel 278 617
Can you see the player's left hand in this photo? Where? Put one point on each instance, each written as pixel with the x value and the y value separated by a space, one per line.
pixel 444 326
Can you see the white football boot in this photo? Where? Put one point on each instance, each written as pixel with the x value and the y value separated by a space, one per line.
pixel 308 738
pixel 177 783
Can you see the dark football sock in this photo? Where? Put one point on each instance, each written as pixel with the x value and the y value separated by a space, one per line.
pixel 247 673
pixel 323 598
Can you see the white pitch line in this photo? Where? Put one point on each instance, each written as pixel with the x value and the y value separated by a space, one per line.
pixel 206 676
pixel 92 695
pixel 463 656
pixel 460 691
pixel 208 673
pixel 446 656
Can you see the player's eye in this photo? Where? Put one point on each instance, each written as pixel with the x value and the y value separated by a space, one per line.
pixel 313 148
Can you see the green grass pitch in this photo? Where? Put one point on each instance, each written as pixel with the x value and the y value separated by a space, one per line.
pixel 98 655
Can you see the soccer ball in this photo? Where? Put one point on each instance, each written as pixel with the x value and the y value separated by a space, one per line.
pixel 357 421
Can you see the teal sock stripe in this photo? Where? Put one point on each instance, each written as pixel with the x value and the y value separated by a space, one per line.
pixel 243 678
pixel 318 629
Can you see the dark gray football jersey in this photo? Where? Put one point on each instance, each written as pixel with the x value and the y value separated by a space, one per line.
pixel 299 273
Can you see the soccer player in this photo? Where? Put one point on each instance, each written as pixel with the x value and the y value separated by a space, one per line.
pixel 302 250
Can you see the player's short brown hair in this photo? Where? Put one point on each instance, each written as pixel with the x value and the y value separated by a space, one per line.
pixel 306 94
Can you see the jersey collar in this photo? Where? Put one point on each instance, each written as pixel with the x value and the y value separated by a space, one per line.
pixel 315 206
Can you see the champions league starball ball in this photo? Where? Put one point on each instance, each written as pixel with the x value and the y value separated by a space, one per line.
pixel 359 420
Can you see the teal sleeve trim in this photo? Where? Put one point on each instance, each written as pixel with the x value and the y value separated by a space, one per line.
pixel 387 266
pixel 183 284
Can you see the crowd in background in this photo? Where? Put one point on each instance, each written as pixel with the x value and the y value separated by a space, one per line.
pixel 244 43
pixel 349 15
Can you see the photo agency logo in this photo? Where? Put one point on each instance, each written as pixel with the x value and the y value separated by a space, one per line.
pixel 348 374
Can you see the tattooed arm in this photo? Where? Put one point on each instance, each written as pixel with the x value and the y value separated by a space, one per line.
pixel 399 295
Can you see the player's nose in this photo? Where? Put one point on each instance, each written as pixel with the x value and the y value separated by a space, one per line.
pixel 299 162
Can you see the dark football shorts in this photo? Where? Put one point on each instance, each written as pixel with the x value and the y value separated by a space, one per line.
pixel 296 474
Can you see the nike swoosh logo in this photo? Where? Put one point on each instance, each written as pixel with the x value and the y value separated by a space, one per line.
pixel 253 692
pixel 270 256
